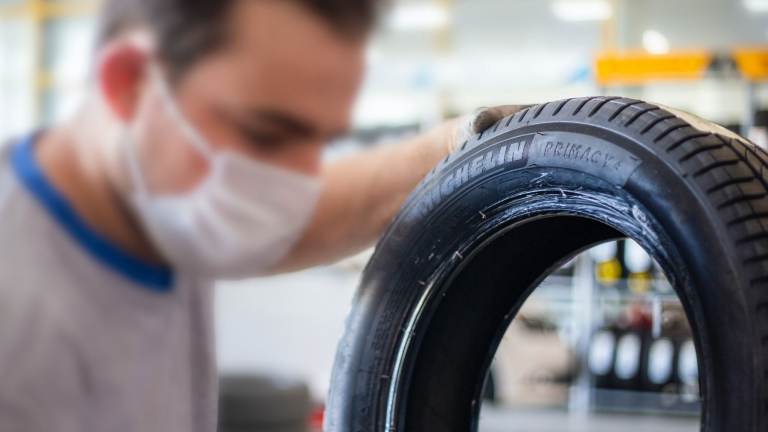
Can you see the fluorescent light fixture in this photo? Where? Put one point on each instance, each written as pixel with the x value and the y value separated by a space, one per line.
pixel 655 42
pixel 582 10
pixel 424 16
pixel 756 5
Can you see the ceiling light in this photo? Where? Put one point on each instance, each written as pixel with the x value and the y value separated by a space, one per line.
pixel 655 42
pixel 425 16
pixel 756 5
pixel 582 10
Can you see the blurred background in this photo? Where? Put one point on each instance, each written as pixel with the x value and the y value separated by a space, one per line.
pixel 603 343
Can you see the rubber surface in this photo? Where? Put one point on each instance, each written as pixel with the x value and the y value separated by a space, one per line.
pixel 513 204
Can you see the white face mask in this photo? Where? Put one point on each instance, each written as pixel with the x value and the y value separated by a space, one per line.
pixel 243 218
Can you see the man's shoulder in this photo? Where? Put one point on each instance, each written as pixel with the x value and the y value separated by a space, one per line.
pixel 5 154
pixel 23 220
pixel 11 188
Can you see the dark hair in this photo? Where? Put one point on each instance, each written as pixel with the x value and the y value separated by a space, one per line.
pixel 189 29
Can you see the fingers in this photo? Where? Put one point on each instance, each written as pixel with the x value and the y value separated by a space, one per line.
pixel 481 119
pixel 467 127
pixel 487 117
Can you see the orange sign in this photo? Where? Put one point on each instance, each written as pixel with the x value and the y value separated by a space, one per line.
pixel 752 62
pixel 639 67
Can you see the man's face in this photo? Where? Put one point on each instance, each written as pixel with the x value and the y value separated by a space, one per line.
pixel 282 86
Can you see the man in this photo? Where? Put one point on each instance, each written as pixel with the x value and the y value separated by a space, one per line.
pixel 196 157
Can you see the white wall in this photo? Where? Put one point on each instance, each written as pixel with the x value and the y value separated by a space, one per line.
pixel 287 325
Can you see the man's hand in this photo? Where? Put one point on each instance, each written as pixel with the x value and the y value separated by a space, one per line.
pixel 479 121
pixel 363 192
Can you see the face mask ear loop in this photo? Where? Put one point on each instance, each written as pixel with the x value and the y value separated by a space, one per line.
pixel 194 137
pixel 134 171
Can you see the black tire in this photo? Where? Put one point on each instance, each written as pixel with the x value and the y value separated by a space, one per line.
pixel 634 378
pixel 462 256
pixel 664 365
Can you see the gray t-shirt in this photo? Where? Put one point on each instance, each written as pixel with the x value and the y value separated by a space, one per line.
pixel 90 338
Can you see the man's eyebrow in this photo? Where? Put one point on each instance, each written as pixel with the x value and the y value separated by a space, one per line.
pixel 285 121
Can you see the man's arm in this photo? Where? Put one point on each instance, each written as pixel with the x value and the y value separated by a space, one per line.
pixel 363 193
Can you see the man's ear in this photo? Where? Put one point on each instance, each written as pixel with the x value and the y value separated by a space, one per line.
pixel 121 73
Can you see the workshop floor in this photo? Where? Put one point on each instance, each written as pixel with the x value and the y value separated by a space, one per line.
pixel 494 419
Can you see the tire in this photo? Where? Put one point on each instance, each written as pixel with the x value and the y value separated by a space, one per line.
pixel 509 207
pixel 602 356
pixel 660 364
pixel 628 364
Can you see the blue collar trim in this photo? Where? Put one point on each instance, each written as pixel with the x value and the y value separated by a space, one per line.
pixel 155 278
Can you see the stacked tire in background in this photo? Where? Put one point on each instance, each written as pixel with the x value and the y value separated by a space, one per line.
pixel 645 343
pixel 633 360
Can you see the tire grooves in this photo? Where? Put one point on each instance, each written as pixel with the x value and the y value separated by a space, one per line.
pixel 621 110
pixel 757 259
pixel 762 150
pixel 731 182
pixel 538 111
pixel 560 106
pixel 655 122
pixel 709 168
pixel 639 114
pixel 754 150
pixel 730 143
pixel 694 152
pixel 581 105
pixel 669 131
pixel 740 199
pixel 682 141
pixel 747 219
pixel 522 115
pixel 752 238
pixel 601 104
